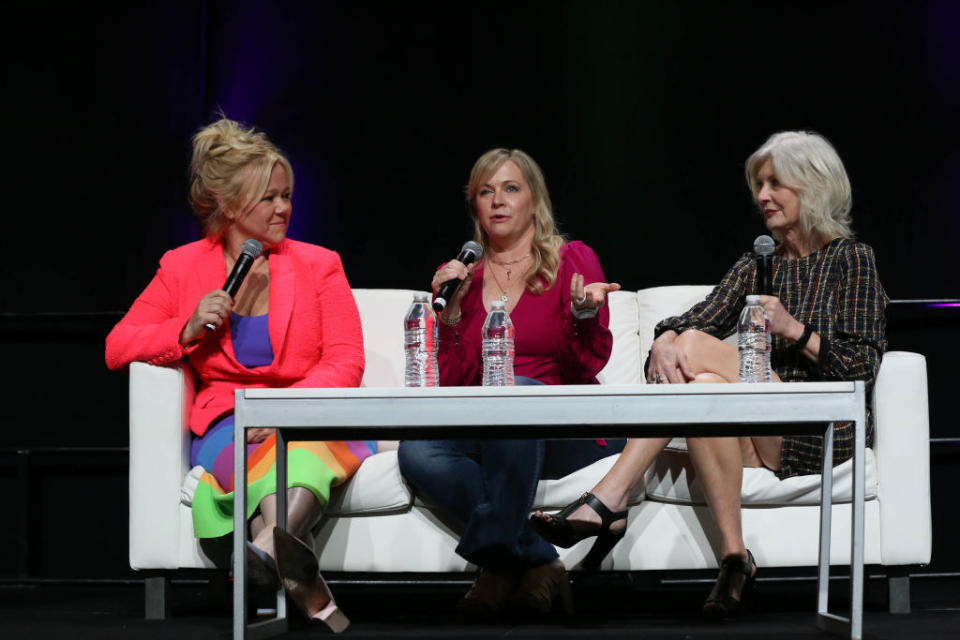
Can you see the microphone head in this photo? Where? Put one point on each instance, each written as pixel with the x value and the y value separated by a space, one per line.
pixel 763 245
pixel 472 247
pixel 252 248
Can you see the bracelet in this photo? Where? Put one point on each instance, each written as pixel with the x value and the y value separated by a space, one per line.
pixel 452 322
pixel 584 314
pixel 805 336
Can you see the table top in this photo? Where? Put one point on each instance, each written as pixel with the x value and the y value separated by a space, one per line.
pixel 593 411
pixel 569 390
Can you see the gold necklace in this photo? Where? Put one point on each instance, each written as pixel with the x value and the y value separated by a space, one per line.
pixel 506 265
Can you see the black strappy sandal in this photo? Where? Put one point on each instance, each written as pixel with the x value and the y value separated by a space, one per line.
pixel 558 530
pixel 720 604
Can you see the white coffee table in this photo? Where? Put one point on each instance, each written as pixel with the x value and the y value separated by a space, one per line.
pixel 584 411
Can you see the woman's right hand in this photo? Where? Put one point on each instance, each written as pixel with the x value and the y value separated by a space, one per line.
pixel 453 270
pixel 213 308
pixel 258 435
pixel 668 363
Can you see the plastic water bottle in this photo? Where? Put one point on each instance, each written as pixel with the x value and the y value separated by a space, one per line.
pixel 498 347
pixel 420 342
pixel 753 338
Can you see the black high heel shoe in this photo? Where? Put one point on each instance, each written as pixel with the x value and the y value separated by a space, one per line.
pixel 300 571
pixel 720 603
pixel 556 529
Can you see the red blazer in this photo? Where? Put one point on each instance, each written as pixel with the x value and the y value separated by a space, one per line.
pixel 314 325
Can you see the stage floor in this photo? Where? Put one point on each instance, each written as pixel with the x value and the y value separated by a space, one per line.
pixel 780 609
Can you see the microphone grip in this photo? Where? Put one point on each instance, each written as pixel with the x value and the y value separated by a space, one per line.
pixel 764 275
pixel 446 291
pixel 234 280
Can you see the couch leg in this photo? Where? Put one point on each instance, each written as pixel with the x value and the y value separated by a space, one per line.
pixel 155 597
pixel 898 589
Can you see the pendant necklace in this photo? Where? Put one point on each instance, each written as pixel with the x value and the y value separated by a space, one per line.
pixel 506 265
pixel 503 292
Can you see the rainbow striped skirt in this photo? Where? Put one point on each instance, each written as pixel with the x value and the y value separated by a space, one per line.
pixel 316 466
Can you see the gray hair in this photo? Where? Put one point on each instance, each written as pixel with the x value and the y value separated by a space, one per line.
pixel 807 163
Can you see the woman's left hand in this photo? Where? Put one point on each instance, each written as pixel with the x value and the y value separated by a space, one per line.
pixel 781 322
pixel 258 435
pixel 591 296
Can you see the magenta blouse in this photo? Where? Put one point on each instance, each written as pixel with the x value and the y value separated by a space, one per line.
pixel 551 345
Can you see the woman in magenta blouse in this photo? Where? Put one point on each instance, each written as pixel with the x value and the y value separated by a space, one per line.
pixel 555 293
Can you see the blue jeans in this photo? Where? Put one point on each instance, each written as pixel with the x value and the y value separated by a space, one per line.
pixel 486 487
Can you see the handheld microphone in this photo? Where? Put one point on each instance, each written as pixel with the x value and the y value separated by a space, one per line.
pixel 250 251
pixel 470 252
pixel 763 248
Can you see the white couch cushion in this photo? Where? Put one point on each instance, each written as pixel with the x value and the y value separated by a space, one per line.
pixel 671 479
pixel 376 487
pixel 622 366
pixel 656 303
pixel 558 493
pixel 381 314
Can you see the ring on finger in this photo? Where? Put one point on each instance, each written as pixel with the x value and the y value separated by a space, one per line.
pixel 658 379
pixel 579 301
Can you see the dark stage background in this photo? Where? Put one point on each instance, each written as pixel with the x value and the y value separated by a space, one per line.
pixel 640 113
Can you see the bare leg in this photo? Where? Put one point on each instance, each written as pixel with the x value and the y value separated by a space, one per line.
pixel 719 465
pixel 615 487
pixel 718 462
pixel 628 471
pixel 708 355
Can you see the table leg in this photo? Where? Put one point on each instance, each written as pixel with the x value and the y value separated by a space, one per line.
pixel 281 469
pixel 857 525
pixel 239 523
pixel 277 625
pixel 851 627
pixel 826 515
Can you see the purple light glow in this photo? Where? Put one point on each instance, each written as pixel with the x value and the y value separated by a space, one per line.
pixel 944 304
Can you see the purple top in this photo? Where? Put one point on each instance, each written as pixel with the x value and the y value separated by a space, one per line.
pixel 251 346
pixel 251 340
pixel 551 345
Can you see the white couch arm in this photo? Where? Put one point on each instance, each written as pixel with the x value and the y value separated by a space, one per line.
pixel 160 401
pixel 902 448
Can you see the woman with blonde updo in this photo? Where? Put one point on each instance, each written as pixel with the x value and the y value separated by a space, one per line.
pixel 292 323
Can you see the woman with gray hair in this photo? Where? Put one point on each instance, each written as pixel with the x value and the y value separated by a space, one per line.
pixel 827 322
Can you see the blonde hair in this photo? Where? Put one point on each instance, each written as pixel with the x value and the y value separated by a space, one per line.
pixel 230 171
pixel 807 163
pixel 546 239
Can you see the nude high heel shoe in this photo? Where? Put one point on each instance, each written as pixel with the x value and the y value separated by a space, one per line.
pixel 300 573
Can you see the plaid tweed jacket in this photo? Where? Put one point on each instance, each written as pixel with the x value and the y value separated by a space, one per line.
pixel 837 291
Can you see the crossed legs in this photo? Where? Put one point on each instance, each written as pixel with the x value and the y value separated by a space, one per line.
pixel 718 462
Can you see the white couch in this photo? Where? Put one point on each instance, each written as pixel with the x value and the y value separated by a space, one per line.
pixel 375 524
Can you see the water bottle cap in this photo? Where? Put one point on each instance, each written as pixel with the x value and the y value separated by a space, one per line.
pixel 498 304
pixel 421 296
pixel 752 299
